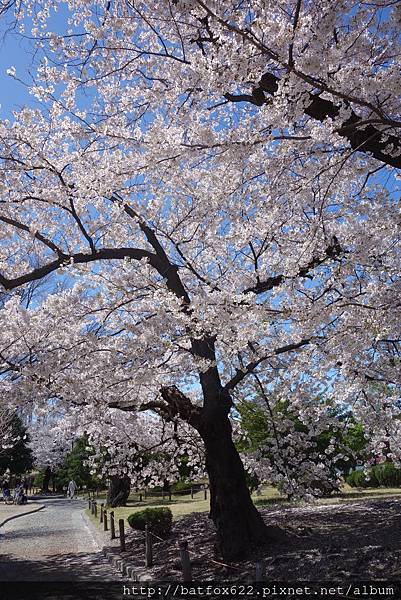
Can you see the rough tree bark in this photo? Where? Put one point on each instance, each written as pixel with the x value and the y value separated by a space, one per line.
pixel 118 492
pixel 46 479
pixel 238 523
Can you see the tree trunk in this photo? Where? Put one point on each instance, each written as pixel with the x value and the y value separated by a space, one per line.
pixel 239 525
pixel 46 479
pixel 118 492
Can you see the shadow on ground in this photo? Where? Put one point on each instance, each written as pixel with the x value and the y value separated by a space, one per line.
pixel 66 567
pixel 353 542
pixel 66 577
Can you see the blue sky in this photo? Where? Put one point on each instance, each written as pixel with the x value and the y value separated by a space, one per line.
pixel 15 52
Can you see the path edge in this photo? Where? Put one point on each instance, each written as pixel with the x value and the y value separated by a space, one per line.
pixel 30 512
pixel 120 562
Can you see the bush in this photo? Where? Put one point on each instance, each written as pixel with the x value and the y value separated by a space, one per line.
pixel 182 487
pixel 358 479
pixel 383 475
pixel 387 475
pixel 158 519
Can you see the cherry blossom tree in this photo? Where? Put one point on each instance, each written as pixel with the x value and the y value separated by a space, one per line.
pixel 126 448
pixel 218 202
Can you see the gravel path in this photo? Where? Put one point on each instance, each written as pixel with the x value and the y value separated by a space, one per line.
pixel 52 545
pixel 10 511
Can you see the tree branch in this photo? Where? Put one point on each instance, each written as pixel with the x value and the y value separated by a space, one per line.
pixel 242 373
pixel 78 258
pixel 334 250
pixel 180 406
pixel 165 267
pixel 36 234
pixel 368 139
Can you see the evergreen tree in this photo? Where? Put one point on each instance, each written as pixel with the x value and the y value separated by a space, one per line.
pixel 18 458
pixel 75 466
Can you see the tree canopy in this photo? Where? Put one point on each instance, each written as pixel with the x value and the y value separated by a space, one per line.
pixel 215 186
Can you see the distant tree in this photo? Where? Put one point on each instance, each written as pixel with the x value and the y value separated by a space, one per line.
pixel 75 466
pixel 18 457
pixel 5 430
pixel 118 490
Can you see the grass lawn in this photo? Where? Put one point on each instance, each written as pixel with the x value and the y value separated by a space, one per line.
pixel 181 505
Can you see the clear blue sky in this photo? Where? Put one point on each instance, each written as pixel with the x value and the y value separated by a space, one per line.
pixel 17 52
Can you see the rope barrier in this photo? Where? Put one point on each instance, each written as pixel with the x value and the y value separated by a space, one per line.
pixel 173 545
pixel 173 493
pixel 211 560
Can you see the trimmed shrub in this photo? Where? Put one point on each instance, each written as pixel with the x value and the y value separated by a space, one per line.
pixel 159 520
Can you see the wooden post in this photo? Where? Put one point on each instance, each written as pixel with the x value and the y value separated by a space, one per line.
pixel 185 561
pixel 144 491
pixel 122 534
pixel 260 571
pixel 192 492
pixel 169 494
pixel 205 493
pixel 90 504
pixel 93 507
pixel 148 547
pixel 112 525
pixel 140 497
pixel 101 512
pixel 95 511
pixel 105 520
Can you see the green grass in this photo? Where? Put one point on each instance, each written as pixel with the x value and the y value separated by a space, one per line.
pixel 348 493
pixel 182 505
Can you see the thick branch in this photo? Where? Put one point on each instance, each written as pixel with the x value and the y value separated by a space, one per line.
pixel 180 406
pixel 165 267
pixel 334 250
pixel 78 258
pixel 36 234
pixel 369 139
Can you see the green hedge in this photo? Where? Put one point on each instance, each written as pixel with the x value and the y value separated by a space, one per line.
pixel 159 520
pixel 182 487
pixel 383 475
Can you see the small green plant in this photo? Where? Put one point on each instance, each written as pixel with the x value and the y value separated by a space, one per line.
pixel 158 519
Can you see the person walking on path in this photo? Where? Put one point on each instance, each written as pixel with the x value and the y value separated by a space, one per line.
pixel 72 486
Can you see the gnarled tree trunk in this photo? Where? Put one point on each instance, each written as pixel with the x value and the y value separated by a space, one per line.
pixel 118 492
pixel 238 523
